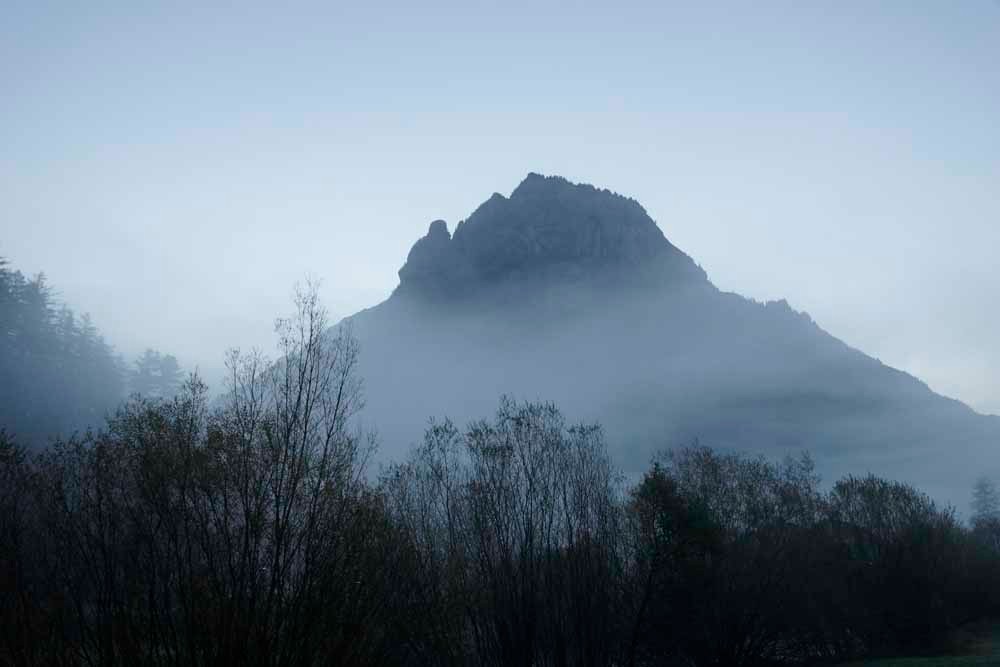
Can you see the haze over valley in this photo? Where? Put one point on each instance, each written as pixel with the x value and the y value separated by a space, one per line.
pixel 573 294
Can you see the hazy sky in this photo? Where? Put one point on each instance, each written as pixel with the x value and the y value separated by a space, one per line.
pixel 175 169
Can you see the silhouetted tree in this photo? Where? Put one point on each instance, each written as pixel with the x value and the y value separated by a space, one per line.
pixel 672 535
pixel 155 375
pixel 730 553
pixel 906 565
pixel 241 535
pixel 517 529
pixel 985 500
pixel 17 636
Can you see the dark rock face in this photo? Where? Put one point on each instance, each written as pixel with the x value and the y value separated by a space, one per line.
pixel 429 260
pixel 550 230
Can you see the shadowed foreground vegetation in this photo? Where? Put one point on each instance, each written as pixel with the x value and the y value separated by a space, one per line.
pixel 975 644
pixel 249 531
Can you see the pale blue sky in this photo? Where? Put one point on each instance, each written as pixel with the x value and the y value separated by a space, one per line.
pixel 175 168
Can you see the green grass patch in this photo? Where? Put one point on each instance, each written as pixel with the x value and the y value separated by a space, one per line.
pixel 976 644
pixel 942 661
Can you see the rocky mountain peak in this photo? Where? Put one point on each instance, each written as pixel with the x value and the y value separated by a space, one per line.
pixel 549 229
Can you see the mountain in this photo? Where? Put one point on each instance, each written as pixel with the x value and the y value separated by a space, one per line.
pixel 568 293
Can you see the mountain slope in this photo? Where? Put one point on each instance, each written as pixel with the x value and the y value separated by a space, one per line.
pixel 569 293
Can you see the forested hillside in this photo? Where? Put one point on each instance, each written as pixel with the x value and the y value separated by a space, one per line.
pixel 57 372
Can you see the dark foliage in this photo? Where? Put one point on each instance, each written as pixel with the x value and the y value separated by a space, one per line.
pixel 249 533
pixel 516 531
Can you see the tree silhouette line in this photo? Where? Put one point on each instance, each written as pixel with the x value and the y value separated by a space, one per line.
pixel 250 530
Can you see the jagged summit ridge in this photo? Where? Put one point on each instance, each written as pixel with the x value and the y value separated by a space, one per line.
pixel 548 229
